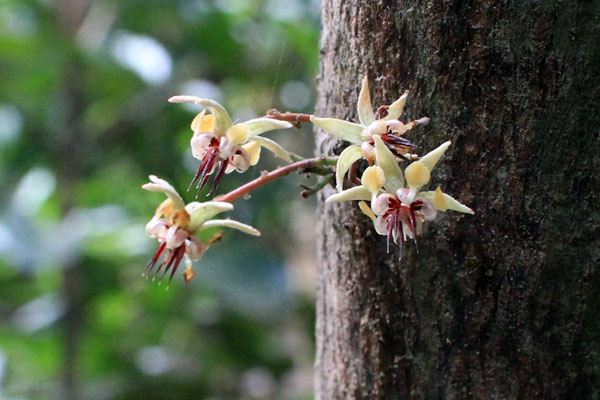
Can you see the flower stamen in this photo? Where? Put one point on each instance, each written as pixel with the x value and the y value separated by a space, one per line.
pixel 161 248
pixel 222 168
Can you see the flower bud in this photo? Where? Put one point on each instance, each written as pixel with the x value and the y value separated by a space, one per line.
pixel 373 178
pixel 238 133
pixel 417 174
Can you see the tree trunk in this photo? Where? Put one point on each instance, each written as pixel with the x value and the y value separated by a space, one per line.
pixel 498 305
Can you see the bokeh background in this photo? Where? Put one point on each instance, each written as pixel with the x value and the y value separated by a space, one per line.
pixel 83 121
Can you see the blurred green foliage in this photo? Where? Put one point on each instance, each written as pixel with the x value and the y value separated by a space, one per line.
pixel 83 121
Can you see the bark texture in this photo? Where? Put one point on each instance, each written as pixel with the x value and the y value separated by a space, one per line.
pixel 503 304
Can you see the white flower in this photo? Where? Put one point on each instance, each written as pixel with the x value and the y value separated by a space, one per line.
pixel 383 124
pixel 223 146
pixel 398 212
pixel 175 226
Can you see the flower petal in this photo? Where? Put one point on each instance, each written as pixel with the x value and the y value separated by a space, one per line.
pixel 431 158
pixel 349 156
pixel 203 123
pixel 373 178
pixel 261 125
pixel 229 223
pixel 341 129
pixel 275 148
pixel 417 175
pixel 222 119
pixel 160 185
pixel 388 162
pixel 395 109
pixel 355 193
pixel 367 211
pixel 444 202
pixel 364 106
pixel 202 212
pixel 253 149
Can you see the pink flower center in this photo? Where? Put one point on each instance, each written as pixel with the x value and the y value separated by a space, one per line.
pixel 397 216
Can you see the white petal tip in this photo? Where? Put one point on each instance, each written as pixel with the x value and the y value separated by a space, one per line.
pixel 182 99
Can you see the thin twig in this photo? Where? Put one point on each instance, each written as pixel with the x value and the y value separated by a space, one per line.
pixel 308 165
pixel 294 118
pixel 309 191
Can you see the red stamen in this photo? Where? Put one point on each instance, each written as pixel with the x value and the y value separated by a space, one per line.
pixel 222 167
pixel 397 140
pixel 390 228
pixel 413 226
pixel 214 144
pixel 179 252
pixel 161 247
pixel 207 169
pixel 395 151
pixel 401 236
pixel 166 258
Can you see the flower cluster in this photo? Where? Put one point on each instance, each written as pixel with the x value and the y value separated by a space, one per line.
pixel 384 124
pixel 398 207
pixel 397 204
pixel 176 224
pixel 222 146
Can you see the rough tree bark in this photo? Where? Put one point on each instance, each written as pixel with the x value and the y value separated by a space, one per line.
pixel 499 305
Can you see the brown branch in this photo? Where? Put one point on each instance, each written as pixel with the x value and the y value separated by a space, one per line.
pixel 294 118
pixel 265 178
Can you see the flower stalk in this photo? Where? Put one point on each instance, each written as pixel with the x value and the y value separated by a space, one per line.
pixel 316 165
